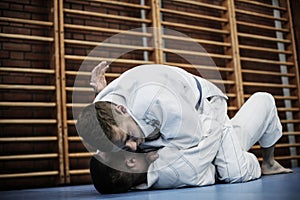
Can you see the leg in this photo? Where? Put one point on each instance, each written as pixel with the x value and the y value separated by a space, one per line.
pixel 257 121
pixel 233 163
pixel 269 164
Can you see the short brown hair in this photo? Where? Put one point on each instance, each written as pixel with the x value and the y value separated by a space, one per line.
pixel 94 125
pixel 108 180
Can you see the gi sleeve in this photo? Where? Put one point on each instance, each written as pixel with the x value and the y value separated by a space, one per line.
pixel 179 168
pixel 156 106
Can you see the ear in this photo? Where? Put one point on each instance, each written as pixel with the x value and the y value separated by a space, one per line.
pixel 130 162
pixel 121 109
pixel 102 155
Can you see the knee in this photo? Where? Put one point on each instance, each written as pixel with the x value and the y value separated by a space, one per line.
pixel 265 98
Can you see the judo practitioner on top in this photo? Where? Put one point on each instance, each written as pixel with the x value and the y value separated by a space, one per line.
pixel 183 118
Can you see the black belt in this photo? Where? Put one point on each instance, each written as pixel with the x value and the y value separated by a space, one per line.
pixel 200 91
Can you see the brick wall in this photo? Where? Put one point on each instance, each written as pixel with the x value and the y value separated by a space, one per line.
pixel 17 56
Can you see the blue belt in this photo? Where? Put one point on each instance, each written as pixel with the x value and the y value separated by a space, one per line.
pixel 200 91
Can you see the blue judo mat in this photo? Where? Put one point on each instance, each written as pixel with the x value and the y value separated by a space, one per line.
pixel 281 187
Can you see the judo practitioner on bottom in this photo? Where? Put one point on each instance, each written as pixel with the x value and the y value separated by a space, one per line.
pixel 158 126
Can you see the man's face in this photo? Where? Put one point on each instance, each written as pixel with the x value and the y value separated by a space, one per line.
pixel 128 135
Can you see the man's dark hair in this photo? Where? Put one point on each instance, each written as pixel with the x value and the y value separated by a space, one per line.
pixel 94 125
pixel 108 180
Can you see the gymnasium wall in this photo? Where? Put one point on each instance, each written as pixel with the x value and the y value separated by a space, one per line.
pixel 49 47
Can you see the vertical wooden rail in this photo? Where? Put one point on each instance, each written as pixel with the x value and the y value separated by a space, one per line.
pixel 291 37
pixel 236 53
pixel 58 93
pixel 157 31
pixel 63 93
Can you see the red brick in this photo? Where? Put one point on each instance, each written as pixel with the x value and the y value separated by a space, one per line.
pixel 17 78
pixel 4 54
pixel 4 5
pixel 18 7
pixel 34 9
pixel 36 56
pixel 40 64
pixel 38 48
pixel 16 14
pixel 22 1
pixel 9 96
pixel 16 55
pixel 16 46
pixel 17 63
pixel 15 29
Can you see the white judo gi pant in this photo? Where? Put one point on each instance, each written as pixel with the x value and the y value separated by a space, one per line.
pixel 256 121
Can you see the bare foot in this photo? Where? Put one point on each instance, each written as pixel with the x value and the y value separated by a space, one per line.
pixel 275 168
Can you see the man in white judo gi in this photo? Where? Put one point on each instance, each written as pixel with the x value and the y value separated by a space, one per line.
pixel 158 106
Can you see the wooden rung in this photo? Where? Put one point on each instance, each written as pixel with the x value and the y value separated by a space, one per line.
pixel 231 95
pixel 213 55
pixel 27 37
pixel 29 139
pixel 279 146
pixel 263 38
pixel 193 15
pixel 27 70
pixel 271 85
pixel 226 82
pixel 80 155
pixel 26 21
pixel 283 158
pixel 291 121
pixel 74 139
pixel 256 14
pixel 277 97
pixel 76 105
pixel 28 104
pixel 269 73
pixel 29 174
pixel 194 27
pixel 27 87
pixel 201 41
pixel 28 121
pixel 29 156
pixel 260 159
pixel 131 5
pixel 262 4
pixel 71 122
pixel 81 73
pixel 79 171
pixel 275 62
pixel 254 48
pixel 127 61
pixel 288 109
pixel 200 67
pixel 109 45
pixel 291 133
pixel 232 108
pixel 202 4
pixel 109 30
pixel 287 145
pixel 253 25
pixel 105 15
pixel 79 89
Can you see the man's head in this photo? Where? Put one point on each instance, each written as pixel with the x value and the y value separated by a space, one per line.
pixel 103 125
pixel 118 172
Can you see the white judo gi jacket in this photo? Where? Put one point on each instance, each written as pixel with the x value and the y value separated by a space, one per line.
pixel 164 99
